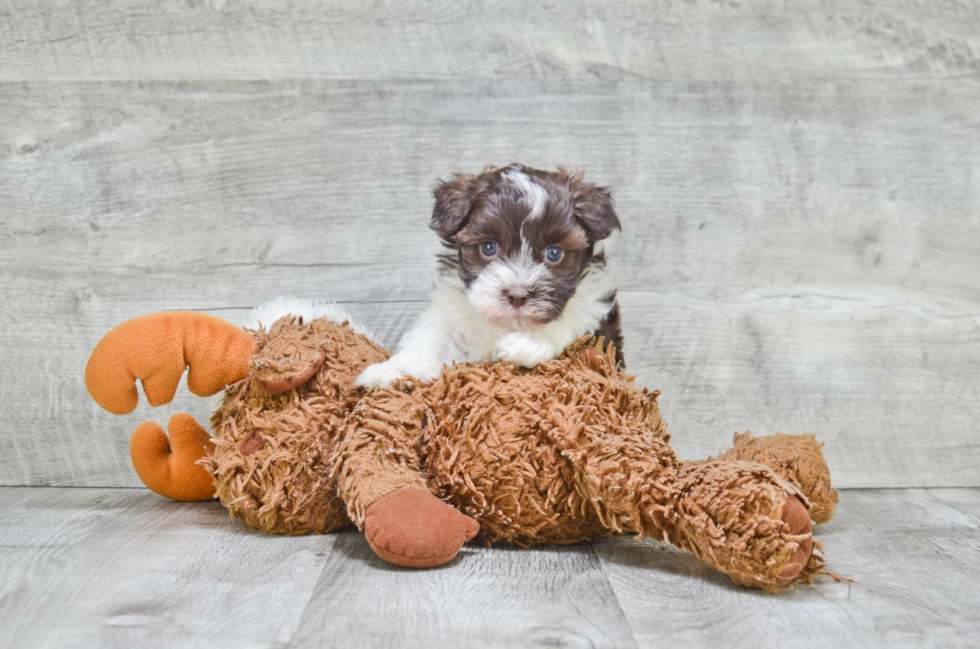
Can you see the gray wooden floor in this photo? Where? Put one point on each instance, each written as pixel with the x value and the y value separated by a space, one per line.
pixel 97 567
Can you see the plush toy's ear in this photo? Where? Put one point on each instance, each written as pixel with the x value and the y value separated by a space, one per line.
pixel 593 206
pixel 454 201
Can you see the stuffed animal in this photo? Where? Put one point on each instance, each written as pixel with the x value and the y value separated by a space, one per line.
pixel 564 452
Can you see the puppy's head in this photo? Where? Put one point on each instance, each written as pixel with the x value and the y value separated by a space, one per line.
pixel 521 239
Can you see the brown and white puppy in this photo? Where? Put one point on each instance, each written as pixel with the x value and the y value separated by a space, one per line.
pixel 521 277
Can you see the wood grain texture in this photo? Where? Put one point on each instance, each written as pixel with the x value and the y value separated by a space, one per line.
pixel 41 525
pixel 795 317
pixel 798 191
pixel 485 598
pixel 111 567
pixel 914 553
pixel 159 574
pixel 717 41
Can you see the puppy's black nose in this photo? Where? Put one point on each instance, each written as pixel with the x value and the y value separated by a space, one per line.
pixel 517 297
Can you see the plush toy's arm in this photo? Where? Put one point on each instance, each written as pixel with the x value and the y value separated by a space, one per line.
pixel 156 349
pixel 379 478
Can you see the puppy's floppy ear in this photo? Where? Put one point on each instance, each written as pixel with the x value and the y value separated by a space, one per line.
pixel 597 214
pixel 593 206
pixel 454 201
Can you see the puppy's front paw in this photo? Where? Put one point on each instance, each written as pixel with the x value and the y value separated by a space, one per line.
pixel 521 349
pixel 379 375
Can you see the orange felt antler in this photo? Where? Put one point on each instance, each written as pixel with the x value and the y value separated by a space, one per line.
pixel 155 349
pixel 169 466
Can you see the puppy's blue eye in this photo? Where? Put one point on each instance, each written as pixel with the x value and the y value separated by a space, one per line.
pixel 489 248
pixel 553 254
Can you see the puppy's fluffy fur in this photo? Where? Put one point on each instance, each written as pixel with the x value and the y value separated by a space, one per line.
pixel 520 278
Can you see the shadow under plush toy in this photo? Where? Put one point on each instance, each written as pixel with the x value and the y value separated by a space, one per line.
pixel 564 452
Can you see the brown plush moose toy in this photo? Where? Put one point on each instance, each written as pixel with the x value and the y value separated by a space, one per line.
pixel 561 453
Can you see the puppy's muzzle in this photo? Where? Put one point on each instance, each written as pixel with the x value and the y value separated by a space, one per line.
pixel 517 297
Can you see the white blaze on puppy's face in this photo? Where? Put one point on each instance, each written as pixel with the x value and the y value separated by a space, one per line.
pixel 534 194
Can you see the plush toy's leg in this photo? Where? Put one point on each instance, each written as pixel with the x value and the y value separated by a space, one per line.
pixel 794 458
pixel 736 516
pixel 386 495
pixel 156 349
pixel 168 465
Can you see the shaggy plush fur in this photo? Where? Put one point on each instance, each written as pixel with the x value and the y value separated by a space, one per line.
pixel 561 453
pixel 566 451
pixel 270 447
pixel 796 458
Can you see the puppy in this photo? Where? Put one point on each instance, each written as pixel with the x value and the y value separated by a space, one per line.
pixel 520 278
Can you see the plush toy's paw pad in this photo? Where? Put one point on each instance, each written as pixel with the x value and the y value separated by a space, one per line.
pixel 796 516
pixel 414 529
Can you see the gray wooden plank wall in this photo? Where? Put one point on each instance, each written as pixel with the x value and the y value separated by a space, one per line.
pixel 798 184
